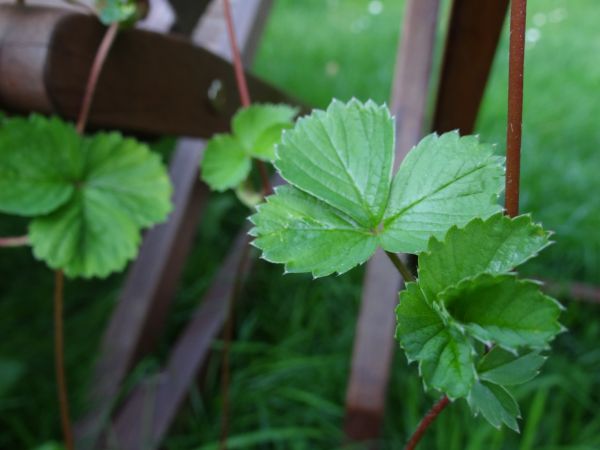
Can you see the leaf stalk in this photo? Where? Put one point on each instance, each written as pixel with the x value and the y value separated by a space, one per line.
pixel 426 421
pixel 402 268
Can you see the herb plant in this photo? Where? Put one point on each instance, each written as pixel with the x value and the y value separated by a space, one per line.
pixel 471 324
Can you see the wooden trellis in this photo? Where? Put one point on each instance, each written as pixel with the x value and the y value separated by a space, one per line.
pixel 154 83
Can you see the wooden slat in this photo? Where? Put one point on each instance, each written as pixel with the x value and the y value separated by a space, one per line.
pixel 473 34
pixel 150 84
pixel 152 407
pixel 374 343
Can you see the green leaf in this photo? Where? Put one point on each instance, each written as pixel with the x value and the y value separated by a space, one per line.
pixel 505 310
pixel 256 129
pixel 296 229
pixel 259 128
pixel 495 245
pixel 499 366
pixel 39 161
pixel 121 11
pixel 444 181
pixel 117 187
pixel 495 404
pixel 343 159
pixel 445 356
pixel 225 164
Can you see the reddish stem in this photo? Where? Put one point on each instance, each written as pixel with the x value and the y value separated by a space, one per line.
pixel 242 86
pixel 426 421
pixel 14 241
pixel 59 345
pixel 518 11
pixel 92 82
pixel 59 360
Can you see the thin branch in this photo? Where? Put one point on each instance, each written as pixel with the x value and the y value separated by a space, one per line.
pixel 242 86
pixel 92 82
pixel 402 268
pixel 426 421
pixel 518 11
pixel 59 360
pixel 14 241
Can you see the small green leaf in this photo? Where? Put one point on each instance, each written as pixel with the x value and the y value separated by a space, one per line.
pixel 499 366
pixel 225 164
pixel 256 129
pixel 444 181
pixel 306 235
pixel 495 404
pixel 120 11
pixel 445 356
pixel 259 127
pixel 495 245
pixel 505 310
pixel 35 181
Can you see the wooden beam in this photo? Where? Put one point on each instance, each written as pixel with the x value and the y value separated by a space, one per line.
pixel 473 34
pixel 374 342
pixel 151 83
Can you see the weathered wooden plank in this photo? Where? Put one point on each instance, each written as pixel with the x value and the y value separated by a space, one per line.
pixel 473 34
pixel 152 407
pixel 374 343
pixel 151 83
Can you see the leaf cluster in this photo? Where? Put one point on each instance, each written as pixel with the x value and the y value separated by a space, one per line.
pixel 88 197
pixel 255 131
pixel 466 297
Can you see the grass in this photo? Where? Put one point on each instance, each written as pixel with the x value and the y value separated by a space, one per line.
pixel 294 336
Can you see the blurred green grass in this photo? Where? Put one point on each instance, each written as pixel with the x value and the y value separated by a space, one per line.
pixel 294 335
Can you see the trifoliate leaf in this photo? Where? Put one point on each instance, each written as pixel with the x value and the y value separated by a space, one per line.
pixel 504 310
pixel 225 163
pixel 495 404
pixel 102 190
pixel 499 366
pixel 296 229
pixel 39 162
pixel 495 245
pixel 343 158
pixel 445 356
pixel 444 181
pixel 256 130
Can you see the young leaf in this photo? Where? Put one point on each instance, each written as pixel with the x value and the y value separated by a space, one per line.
pixel 343 159
pixel 121 11
pixel 495 404
pixel 296 229
pixel 444 181
pixel 495 245
pixel 33 181
pixel 256 130
pixel 225 163
pixel 505 310
pixel 505 368
pixel 445 356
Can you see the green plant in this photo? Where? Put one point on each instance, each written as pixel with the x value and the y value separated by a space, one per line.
pixel 472 325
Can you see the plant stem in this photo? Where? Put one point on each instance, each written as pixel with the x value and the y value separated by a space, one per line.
pixel 242 86
pixel 426 421
pixel 59 360
pixel 92 82
pixel 14 241
pixel 518 11
pixel 402 268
